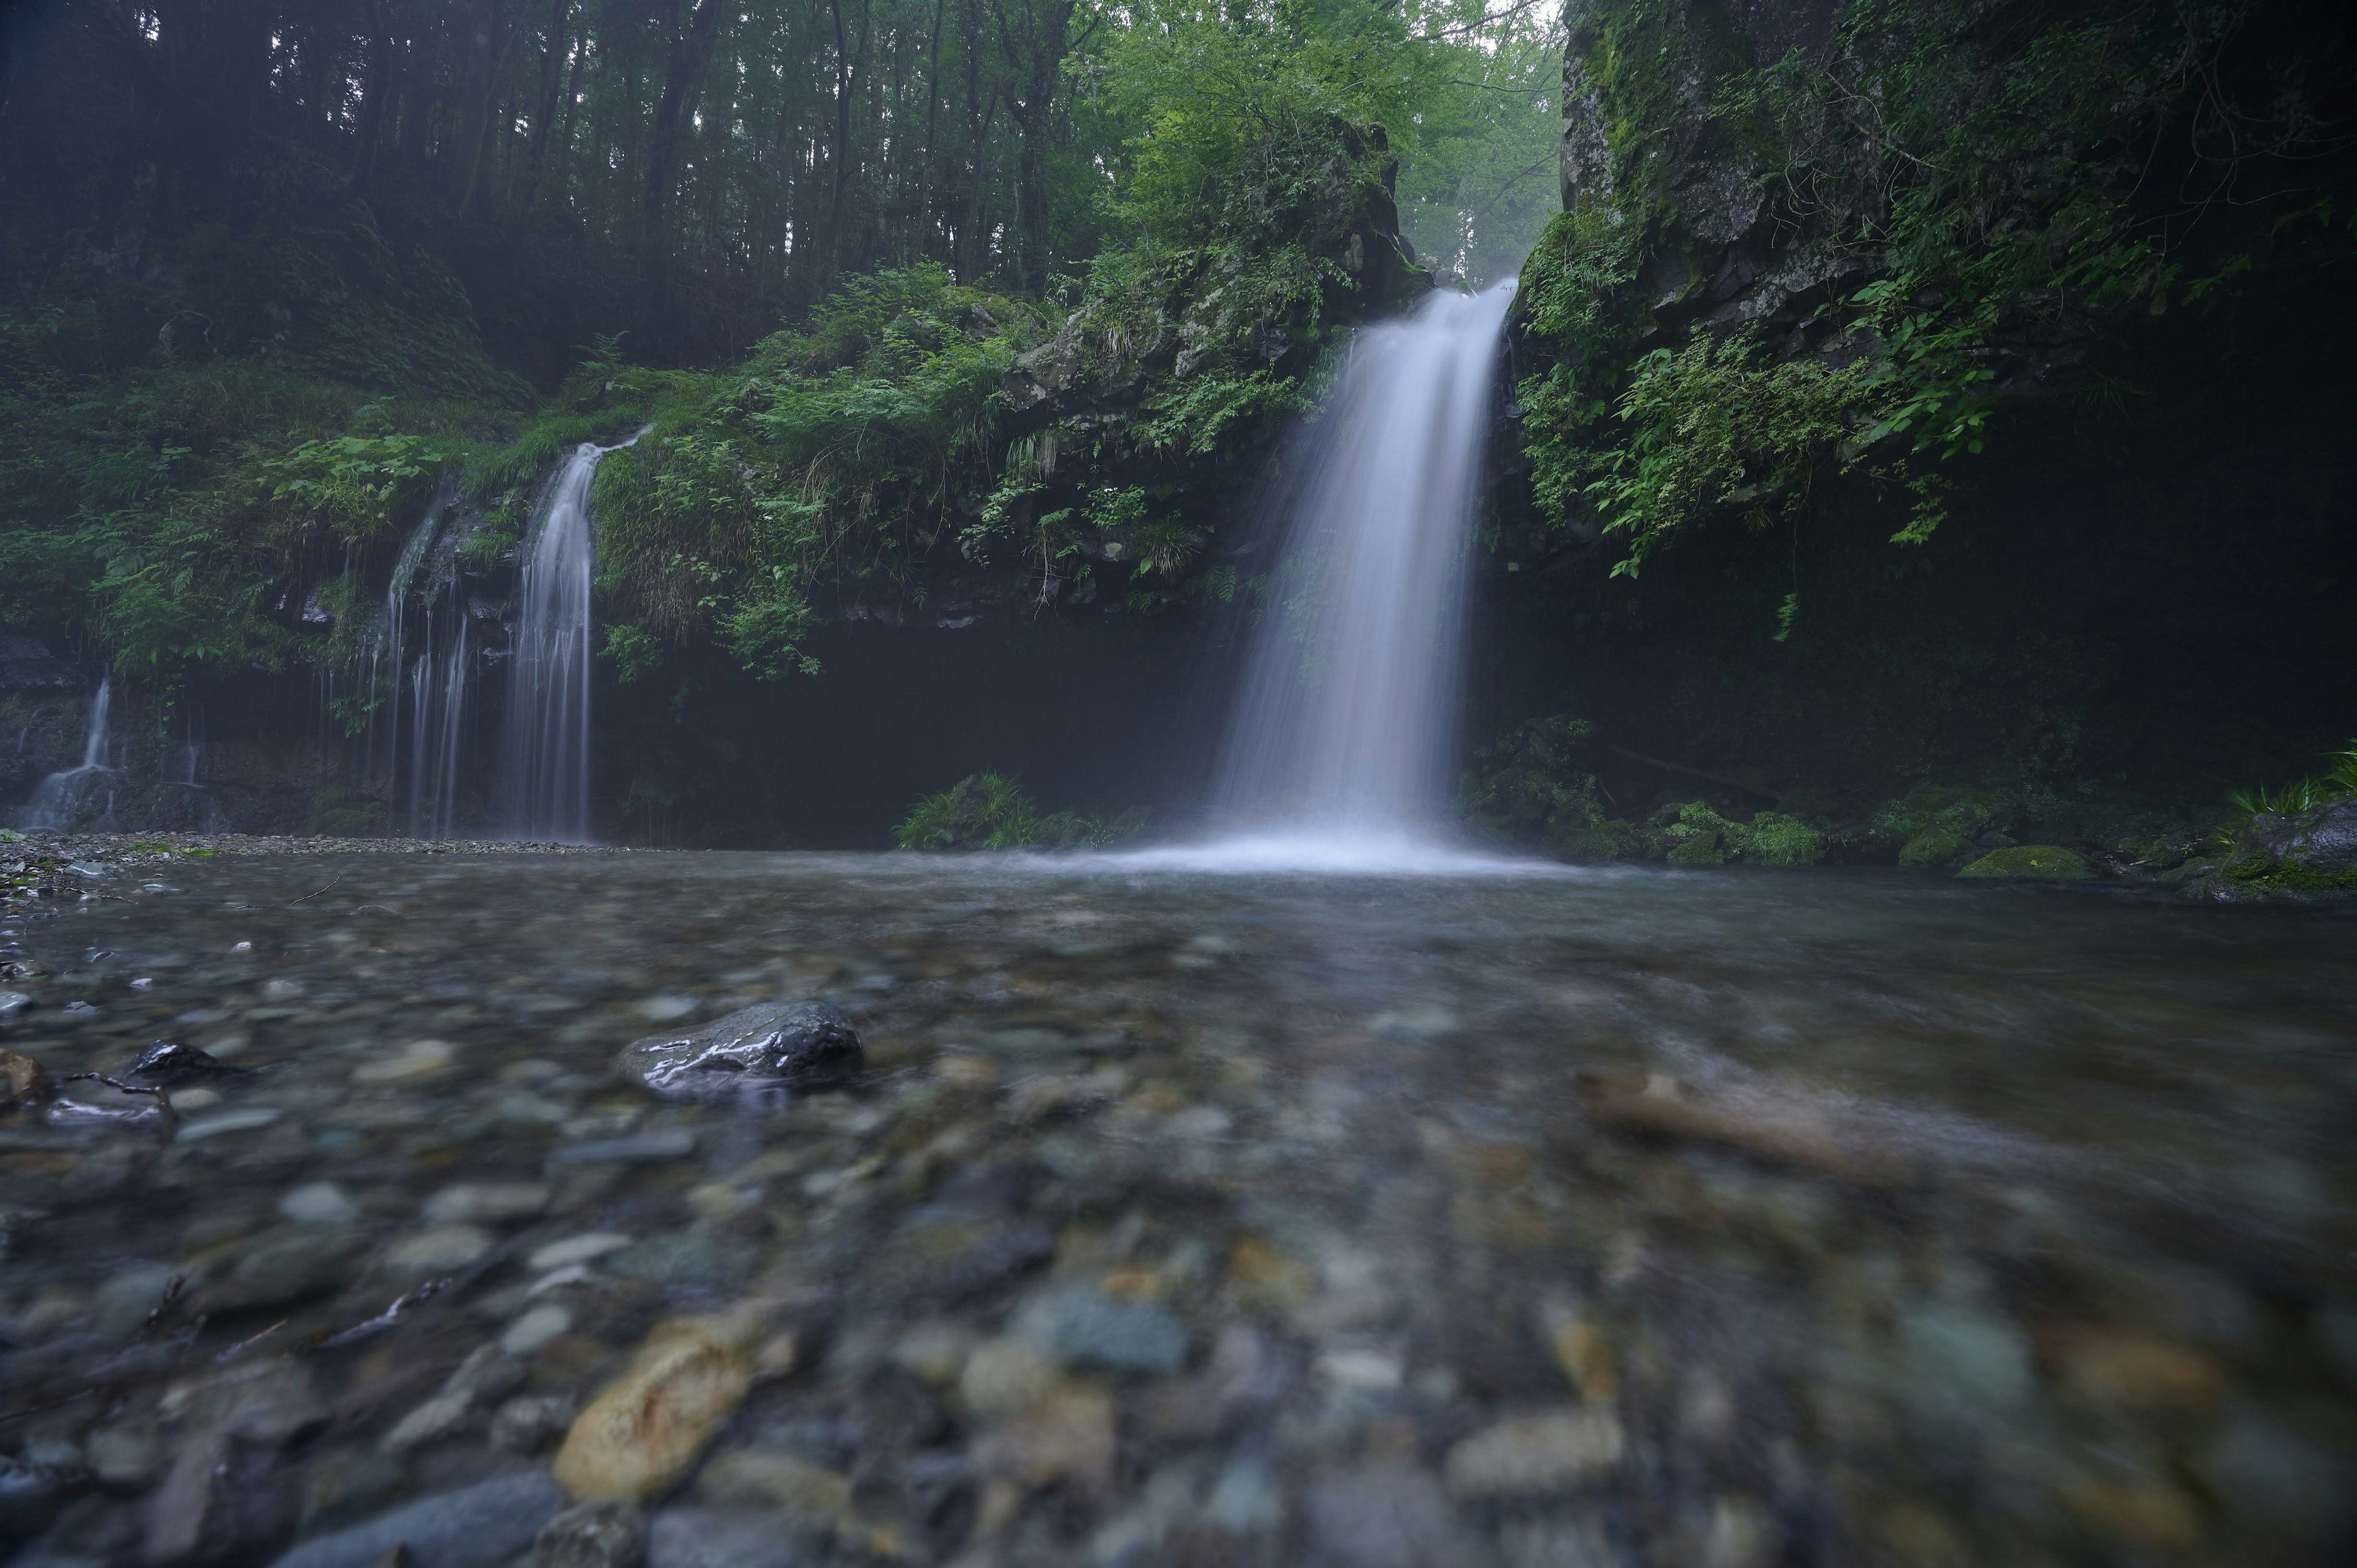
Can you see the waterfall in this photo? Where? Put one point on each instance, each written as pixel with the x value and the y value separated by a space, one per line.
pixel 58 799
pixel 1339 748
pixel 544 787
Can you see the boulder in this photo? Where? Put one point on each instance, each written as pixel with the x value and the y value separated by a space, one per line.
pixel 769 1046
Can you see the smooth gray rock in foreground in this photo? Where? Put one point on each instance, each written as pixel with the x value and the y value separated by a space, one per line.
pixel 757 1047
pixel 477 1527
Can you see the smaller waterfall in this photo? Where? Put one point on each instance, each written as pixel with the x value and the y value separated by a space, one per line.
pixel 544 789
pixel 60 798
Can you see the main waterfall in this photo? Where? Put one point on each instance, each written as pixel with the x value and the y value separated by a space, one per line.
pixel 1338 755
pixel 544 779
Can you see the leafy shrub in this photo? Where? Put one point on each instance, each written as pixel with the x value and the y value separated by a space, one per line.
pixel 993 810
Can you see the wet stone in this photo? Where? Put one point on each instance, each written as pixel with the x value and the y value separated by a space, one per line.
pixel 436 1250
pixel 172 1065
pixel 592 1535
pixel 479 1526
pixel 1088 1330
pixel 729 1538
pixel 319 1203
pixel 775 1044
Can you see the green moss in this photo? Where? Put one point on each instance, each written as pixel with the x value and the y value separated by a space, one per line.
pixel 345 812
pixel 2035 861
pixel 2270 876
pixel 1934 846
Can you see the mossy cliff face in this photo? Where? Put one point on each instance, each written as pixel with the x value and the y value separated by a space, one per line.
pixel 1903 401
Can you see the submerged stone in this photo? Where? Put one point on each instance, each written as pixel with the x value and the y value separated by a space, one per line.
pixel 477 1527
pixel 775 1043
pixel 171 1064
pixel 645 1429
pixel 23 1081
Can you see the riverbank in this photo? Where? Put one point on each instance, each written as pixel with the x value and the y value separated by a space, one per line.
pixel 1616 1215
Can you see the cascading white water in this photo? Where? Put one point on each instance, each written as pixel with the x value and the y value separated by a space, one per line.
pixel 58 799
pixel 544 789
pixel 1339 751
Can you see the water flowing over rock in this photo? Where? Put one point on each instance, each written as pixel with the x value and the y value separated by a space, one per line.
pixel 62 801
pixel 757 1047
pixel 544 789
pixel 1339 747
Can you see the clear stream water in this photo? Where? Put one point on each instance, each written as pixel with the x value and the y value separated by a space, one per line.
pixel 1197 1219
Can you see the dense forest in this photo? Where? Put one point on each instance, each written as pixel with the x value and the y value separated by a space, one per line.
pixel 1903 396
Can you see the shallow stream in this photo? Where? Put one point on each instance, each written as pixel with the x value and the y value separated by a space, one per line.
pixel 1581 1219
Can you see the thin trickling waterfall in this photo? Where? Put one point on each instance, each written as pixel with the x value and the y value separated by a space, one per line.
pixel 544 788
pixel 1339 747
pixel 58 799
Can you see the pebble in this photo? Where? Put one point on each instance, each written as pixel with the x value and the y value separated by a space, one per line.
pixel 319 1203
pixel 482 1526
pixel 752 1478
pixel 635 1437
pixel 575 1250
pixel 592 1535
pixel 1090 1330
pixel 419 1058
pixel 1006 1378
pixel 1068 1438
pixel 1529 1455
pixel 530 1423
pixel 436 1250
pixel 246 1121
pixel 664 1143
pixel 1384 1515
pixel 535 1329
pixel 728 1538
pixel 489 1202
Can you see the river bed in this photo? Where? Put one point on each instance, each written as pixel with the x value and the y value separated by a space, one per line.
pixel 1585 1218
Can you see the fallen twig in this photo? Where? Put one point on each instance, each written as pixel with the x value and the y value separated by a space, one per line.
pixel 308 896
pixel 171 1117
pixel 383 1320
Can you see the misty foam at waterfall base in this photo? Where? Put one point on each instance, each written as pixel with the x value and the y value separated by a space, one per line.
pixel 1337 752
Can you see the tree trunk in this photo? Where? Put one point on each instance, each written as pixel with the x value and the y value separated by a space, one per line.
pixel 685 49
pixel 551 79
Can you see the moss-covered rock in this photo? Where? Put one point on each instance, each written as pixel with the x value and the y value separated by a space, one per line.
pixel 2038 862
pixel 1935 847
pixel 1775 839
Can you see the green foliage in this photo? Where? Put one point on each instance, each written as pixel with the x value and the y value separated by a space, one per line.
pixel 344 813
pixel 1714 425
pixel 993 810
pixel 1959 180
pixel 1692 833
pixel 634 652
pixel 2338 781
pixel 352 486
pixel 1533 786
